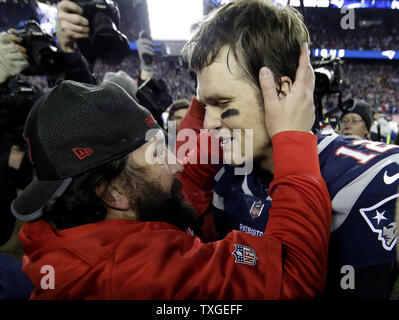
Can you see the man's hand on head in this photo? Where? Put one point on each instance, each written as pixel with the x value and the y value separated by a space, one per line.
pixel 295 111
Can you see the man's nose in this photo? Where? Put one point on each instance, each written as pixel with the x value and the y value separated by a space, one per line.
pixel 212 118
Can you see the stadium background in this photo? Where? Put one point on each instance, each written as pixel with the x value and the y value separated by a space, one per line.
pixel 370 50
pixel 375 32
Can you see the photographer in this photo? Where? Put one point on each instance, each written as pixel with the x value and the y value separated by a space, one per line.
pixel 78 29
pixel 15 170
pixel 357 121
pixel 77 34
pixel 12 62
pixel 42 57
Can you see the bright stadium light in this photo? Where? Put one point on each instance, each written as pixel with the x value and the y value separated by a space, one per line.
pixel 172 19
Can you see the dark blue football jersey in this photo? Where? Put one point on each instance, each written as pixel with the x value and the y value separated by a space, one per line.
pixel 362 178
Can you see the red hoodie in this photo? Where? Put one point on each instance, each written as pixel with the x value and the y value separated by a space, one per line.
pixel 126 259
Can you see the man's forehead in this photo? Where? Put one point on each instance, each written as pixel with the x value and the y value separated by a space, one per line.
pixel 226 56
pixel 225 60
pixel 216 81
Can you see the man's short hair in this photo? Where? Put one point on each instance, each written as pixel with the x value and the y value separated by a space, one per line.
pixel 177 105
pixel 258 33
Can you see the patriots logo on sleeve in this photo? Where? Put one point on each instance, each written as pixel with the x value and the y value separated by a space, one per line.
pixel 245 255
pixel 379 223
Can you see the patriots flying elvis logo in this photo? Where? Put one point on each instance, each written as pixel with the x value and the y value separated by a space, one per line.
pixel 381 222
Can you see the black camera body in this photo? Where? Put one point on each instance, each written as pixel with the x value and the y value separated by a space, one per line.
pixel 153 95
pixel 16 100
pixel 328 81
pixel 328 76
pixel 18 94
pixel 43 54
pixel 107 42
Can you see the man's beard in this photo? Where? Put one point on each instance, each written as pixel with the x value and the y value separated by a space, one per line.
pixel 151 203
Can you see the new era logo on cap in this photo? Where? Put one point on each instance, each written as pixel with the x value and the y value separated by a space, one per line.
pixel 150 121
pixel 82 153
pixel 29 148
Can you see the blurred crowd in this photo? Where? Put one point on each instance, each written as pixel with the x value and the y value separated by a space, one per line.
pixel 379 32
pixel 180 84
pixel 372 82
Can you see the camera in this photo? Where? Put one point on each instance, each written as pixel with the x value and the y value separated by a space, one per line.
pixel 43 55
pixel 16 100
pixel 328 81
pixel 18 94
pixel 153 95
pixel 328 72
pixel 108 43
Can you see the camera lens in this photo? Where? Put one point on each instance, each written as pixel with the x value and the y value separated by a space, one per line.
pixel 322 82
pixel 48 59
pixel 107 41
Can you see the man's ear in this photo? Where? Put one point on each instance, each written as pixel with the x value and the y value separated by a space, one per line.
pixel 112 197
pixel 286 86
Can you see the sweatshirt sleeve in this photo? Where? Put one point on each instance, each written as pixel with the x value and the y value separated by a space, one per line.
pixel 300 215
